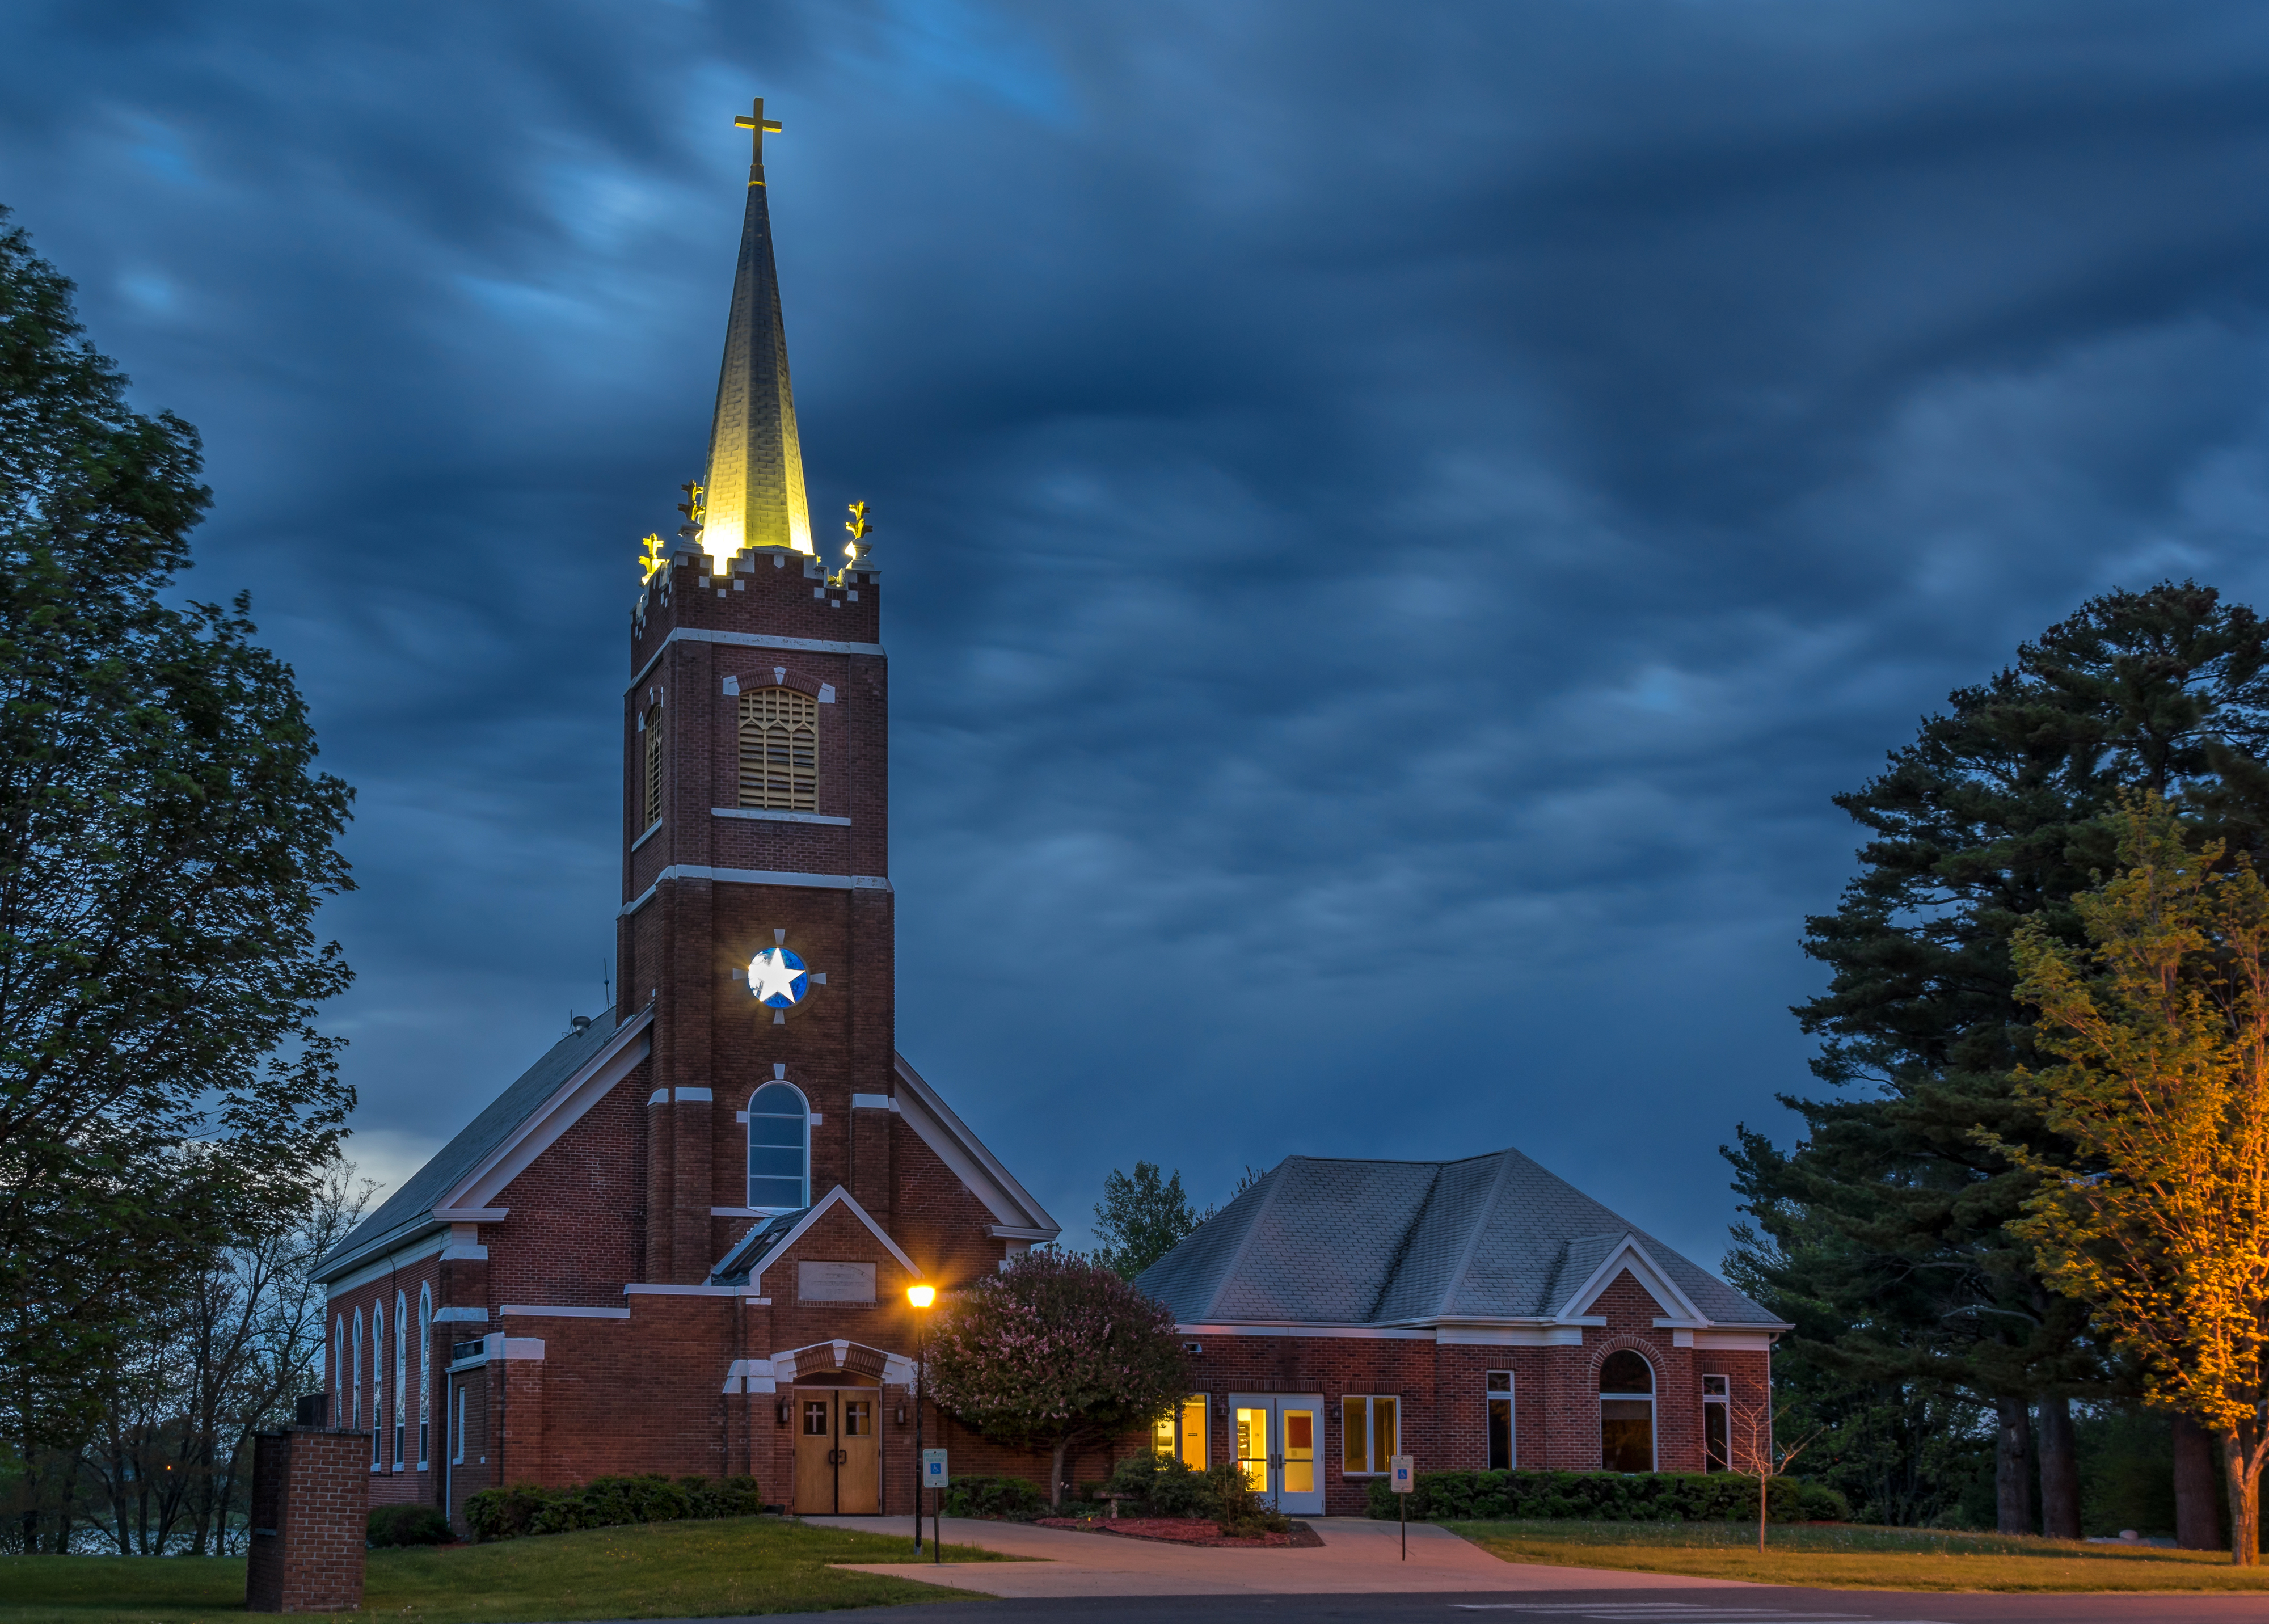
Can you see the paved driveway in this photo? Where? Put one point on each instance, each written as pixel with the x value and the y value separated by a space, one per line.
pixel 1359 1557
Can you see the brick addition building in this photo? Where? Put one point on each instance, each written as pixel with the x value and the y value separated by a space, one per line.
pixel 680 1242
pixel 1480 1314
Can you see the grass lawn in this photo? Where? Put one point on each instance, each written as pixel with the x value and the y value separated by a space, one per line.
pixel 657 1571
pixel 1898 1558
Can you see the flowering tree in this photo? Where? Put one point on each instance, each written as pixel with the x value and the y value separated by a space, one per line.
pixel 1054 1352
pixel 2162 1229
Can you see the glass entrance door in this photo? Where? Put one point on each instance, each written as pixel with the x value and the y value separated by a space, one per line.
pixel 1277 1439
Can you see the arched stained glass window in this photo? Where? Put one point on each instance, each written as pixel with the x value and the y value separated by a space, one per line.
pixel 1626 1413
pixel 425 1375
pixel 780 1147
pixel 780 749
pixel 378 1386
pixel 401 1374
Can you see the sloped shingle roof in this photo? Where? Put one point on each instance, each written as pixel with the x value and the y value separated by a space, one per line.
pixel 1387 1242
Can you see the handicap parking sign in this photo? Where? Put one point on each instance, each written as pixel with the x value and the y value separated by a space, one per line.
pixel 1399 1468
pixel 933 1472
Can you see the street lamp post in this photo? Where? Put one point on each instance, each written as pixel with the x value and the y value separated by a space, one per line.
pixel 921 1297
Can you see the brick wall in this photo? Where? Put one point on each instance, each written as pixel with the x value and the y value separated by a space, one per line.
pixel 309 1507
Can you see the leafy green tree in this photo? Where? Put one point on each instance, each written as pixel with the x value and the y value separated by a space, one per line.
pixel 2159 1031
pixel 1141 1217
pixel 1055 1352
pixel 1893 1217
pixel 164 841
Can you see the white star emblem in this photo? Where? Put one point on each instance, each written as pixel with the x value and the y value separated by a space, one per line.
pixel 776 975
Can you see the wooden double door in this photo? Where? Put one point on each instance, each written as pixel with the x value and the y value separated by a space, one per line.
pixel 839 1451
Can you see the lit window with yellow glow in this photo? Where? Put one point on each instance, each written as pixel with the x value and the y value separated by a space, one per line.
pixel 1181 1432
pixel 780 750
pixel 1370 1429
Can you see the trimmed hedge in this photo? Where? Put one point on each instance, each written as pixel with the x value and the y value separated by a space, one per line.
pixel 1607 1497
pixel 392 1526
pixel 608 1503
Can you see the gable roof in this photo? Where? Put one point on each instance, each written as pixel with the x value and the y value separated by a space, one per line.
pixel 574 1074
pixel 754 1252
pixel 409 1209
pixel 1490 1238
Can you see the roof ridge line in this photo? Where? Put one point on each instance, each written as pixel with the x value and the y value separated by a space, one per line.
pixel 1474 1236
pixel 1252 1224
pixel 1392 1272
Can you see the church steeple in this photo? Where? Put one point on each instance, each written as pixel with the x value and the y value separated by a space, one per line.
pixel 754 492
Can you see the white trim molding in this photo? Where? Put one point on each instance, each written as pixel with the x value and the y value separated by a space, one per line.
pixel 755 877
pixel 883 1101
pixel 472 1214
pixel 1627 1253
pixel 621 1054
pixel 530 1311
pixel 836 1197
pixel 765 815
pixel 386 1263
pixel 1725 1341
pixel 754 639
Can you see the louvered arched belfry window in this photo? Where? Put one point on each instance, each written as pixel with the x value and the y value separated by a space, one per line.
pixel 780 749
pixel 653 772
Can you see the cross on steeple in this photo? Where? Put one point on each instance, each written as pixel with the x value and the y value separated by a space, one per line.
pixel 759 127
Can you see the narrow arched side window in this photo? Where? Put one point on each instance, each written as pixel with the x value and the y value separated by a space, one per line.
pixel 425 1375
pixel 338 1372
pixel 355 1420
pixel 1626 1413
pixel 378 1386
pixel 780 1147
pixel 780 749
pixel 401 1374
pixel 651 725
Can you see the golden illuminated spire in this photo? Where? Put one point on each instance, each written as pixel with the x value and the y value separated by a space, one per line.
pixel 755 490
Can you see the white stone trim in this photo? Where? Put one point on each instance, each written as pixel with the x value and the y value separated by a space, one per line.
pixel 621 1055
pixel 681 1291
pixel 458 1251
pixel 529 1310
pixel 378 1268
pixel 1510 1336
pixel 472 1214
pixel 1725 1341
pixel 461 1316
pixel 765 815
pixel 838 1196
pixel 755 877
pixel 753 639
pixel 1628 1254
pixel 1010 1232
pixel 652 830
pixel 883 1102
pixel 1366 1333
pixel 979 1170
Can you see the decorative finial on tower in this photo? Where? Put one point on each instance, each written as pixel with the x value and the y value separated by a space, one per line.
pixel 654 557
pixel 696 515
pixel 755 486
pixel 856 548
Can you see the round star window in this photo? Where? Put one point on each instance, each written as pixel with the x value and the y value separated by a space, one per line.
pixel 779 978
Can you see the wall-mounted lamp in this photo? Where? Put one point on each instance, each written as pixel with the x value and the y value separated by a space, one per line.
pixel 783 1412
pixel 902 1415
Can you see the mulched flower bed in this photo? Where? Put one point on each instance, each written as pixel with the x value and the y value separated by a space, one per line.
pixel 1180 1531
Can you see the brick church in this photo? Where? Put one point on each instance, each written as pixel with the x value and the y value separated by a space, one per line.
pixel 681 1241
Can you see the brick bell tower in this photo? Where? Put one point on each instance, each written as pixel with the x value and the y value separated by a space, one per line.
pixel 757 906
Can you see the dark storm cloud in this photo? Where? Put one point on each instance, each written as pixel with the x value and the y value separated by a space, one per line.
pixel 1396 518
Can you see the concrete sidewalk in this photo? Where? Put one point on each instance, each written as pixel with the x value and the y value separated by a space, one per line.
pixel 1358 1557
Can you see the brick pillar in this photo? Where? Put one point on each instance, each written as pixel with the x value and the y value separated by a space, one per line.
pixel 661 1184
pixel 310 1505
pixel 690 1251
pixel 524 1457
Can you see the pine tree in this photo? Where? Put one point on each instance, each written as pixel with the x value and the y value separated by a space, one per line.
pixel 1142 1216
pixel 1893 1215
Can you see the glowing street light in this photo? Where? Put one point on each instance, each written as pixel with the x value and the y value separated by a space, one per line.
pixel 921 1297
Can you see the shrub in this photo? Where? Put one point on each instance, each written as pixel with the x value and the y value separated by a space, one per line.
pixel 1017 1500
pixel 391 1525
pixel 1242 1513
pixel 608 1503
pixel 1160 1485
pixel 1607 1496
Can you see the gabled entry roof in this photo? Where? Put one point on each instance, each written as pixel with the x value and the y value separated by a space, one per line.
pixel 1491 1238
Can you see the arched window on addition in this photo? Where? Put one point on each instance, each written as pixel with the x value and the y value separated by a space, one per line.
pixel 338 1415
pixel 780 749
pixel 425 1375
pixel 780 1149
pixel 650 724
pixel 1626 1414
pixel 355 1420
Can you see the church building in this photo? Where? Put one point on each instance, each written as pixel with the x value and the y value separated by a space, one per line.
pixel 681 1242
